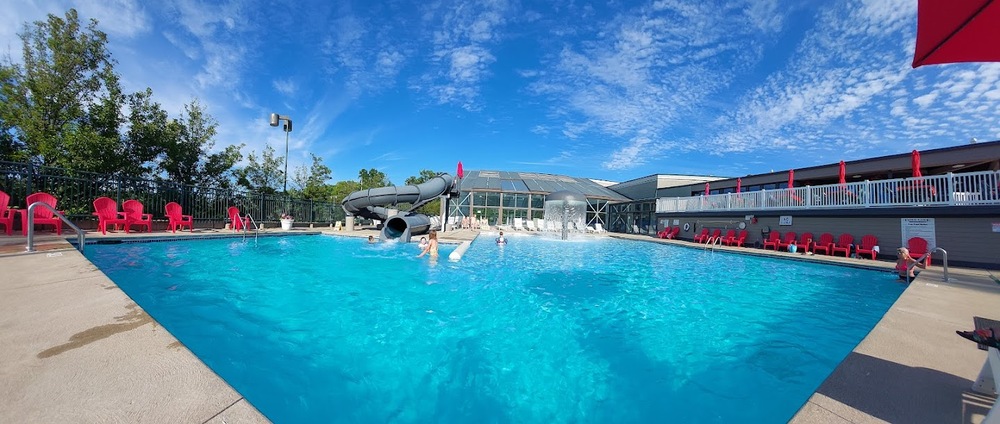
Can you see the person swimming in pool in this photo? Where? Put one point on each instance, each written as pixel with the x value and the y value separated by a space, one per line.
pixel 423 243
pixel 432 246
pixel 501 240
pixel 371 239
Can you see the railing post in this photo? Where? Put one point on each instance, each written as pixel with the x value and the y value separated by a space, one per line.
pixel 868 194
pixel 951 188
pixel 809 197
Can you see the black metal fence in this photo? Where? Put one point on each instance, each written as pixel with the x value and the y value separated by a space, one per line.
pixel 77 190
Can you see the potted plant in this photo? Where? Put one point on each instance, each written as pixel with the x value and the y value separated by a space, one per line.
pixel 286 221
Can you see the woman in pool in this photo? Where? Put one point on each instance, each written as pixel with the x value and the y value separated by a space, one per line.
pixel 903 262
pixel 423 243
pixel 432 246
pixel 501 240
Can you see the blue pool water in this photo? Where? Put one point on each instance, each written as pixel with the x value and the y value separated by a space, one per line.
pixel 332 329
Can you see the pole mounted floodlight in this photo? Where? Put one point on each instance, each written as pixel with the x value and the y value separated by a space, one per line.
pixel 275 119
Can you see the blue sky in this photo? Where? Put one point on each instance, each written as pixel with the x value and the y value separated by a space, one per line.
pixel 611 90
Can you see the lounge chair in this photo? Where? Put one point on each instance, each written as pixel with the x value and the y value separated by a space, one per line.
pixel 867 246
pixel 176 218
pixel 843 245
pixel 239 222
pixel 598 227
pixel 787 240
pixel 529 225
pixel 6 213
pixel 106 210
pixel 804 243
pixel 133 212
pixel 772 240
pixel 518 224
pixel 916 245
pixel 824 244
pixel 701 237
pixel 42 216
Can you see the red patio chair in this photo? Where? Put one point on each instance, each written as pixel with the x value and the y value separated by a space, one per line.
pixel 176 218
pixel 6 213
pixel 702 236
pixel 824 244
pixel 868 243
pixel 730 235
pixel 787 240
pixel 716 233
pixel 239 223
pixel 42 216
pixel 106 210
pixel 916 245
pixel 804 243
pixel 133 212
pixel 738 240
pixel 673 233
pixel 772 240
pixel 843 245
pixel 664 233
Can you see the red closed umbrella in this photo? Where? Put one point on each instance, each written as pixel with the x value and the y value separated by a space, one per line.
pixel 739 184
pixel 915 164
pixel 706 189
pixel 843 173
pixel 950 31
pixel 460 171
pixel 791 179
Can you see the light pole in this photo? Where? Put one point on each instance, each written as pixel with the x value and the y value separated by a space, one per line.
pixel 275 118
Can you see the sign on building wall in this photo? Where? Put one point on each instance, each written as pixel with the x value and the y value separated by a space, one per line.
pixel 919 227
pixel 785 220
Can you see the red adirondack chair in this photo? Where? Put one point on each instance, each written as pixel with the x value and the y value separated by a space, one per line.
pixel 107 212
pixel 868 243
pixel 42 216
pixel 702 236
pixel 916 245
pixel 664 233
pixel 772 240
pixel 804 243
pixel 716 233
pixel 674 232
pixel 176 218
pixel 738 240
pixel 6 213
pixel 824 244
pixel 133 212
pixel 239 223
pixel 730 235
pixel 787 240
pixel 843 245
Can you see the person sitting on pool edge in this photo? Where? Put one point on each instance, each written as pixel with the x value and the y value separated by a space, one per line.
pixel 432 246
pixel 501 240
pixel 903 262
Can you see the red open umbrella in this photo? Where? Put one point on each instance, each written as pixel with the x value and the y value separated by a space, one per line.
pixel 843 173
pixel 460 171
pixel 739 184
pixel 915 164
pixel 950 31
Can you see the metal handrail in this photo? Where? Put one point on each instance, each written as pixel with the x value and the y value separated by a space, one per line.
pixel 925 257
pixel 256 229
pixel 80 237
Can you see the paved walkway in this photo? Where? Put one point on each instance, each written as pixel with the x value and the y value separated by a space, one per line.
pixel 77 349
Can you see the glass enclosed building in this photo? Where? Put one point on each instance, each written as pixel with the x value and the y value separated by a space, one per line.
pixel 500 196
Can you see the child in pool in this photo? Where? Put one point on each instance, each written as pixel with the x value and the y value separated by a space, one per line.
pixel 903 262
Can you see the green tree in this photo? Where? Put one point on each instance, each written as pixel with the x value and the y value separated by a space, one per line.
pixel 189 139
pixel 311 181
pixel 373 178
pixel 342 189
pixel 263 175
pixel 60 104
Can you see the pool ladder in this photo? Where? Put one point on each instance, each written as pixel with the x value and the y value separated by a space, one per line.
pixel 944 263
pixel 712 242
pixel 256 230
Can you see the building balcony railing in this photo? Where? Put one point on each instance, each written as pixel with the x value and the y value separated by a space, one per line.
pixel 965 189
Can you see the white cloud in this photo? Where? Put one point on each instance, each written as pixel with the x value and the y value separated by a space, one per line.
pixel 286 87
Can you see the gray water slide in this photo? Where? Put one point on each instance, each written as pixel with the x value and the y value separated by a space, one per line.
pixel 371 204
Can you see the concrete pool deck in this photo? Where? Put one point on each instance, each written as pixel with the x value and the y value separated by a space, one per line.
pixel 77 349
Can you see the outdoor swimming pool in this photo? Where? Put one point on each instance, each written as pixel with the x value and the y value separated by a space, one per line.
pixel 324 329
